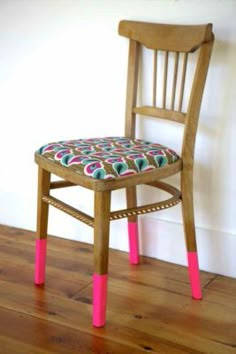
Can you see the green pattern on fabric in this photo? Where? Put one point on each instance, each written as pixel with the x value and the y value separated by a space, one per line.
pixel 109 157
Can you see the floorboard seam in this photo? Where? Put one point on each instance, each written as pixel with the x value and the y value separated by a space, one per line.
pixel 210 281
pixel 78 291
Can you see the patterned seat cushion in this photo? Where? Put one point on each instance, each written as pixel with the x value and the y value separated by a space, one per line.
pixel 110 157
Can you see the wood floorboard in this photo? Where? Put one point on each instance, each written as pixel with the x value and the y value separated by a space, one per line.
pixel 149 306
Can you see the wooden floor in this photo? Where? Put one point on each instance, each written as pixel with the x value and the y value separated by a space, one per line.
pixel 149 306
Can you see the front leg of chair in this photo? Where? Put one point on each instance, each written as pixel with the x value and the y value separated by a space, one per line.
pixel 190 236
pixel 131 197
pixel 101 248
pixel 99 299
pixel 40 261
pixel 42 223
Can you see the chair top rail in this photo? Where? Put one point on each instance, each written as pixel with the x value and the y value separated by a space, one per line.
pixel 180 38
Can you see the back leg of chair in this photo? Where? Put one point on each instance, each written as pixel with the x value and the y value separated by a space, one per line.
pixel 42 224
pixel 131 196
pixel 101 249
pixel 190 236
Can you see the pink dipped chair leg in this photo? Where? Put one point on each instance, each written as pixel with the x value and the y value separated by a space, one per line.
pixel 42 223
pixel 133 242
pixel 101 247
pixel 190 232
pixel 194 275
pixel 99 299
pixel 40 261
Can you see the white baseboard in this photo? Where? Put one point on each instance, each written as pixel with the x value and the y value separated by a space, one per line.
pixel 162 240
pixel 165 240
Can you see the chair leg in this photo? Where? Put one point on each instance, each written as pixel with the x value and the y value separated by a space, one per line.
pixel 101 248
pixel 42 223
pixel 131 197
pixel 133 242
pixel 190 235
pixel 99 299
pixel 40 261
pixel 194 275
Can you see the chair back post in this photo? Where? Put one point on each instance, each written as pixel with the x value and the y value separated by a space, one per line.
pixel 194 105
pixel 132 88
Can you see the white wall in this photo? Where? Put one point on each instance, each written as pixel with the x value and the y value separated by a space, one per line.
pixel 62 75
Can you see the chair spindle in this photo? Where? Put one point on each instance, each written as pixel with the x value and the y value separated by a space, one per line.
pixel 185 60
pixel 175 80
pixel 165 79
pixel 154 78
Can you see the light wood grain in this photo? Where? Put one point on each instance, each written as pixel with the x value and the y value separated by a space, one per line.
pixel 42 207
pixel 165 79
pixel 101 231
pixel 175 76
pixel 131 201
pixel 160 113
pixel 181 95
pixel 61 184
pixel 166 37
pixel 154 94
pixel 132 87
pixel 189 144
pixel 149 307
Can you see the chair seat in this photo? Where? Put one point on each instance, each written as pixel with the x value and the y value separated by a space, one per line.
pixel 109 157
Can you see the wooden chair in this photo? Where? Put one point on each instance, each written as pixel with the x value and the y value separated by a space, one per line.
pixel 108 164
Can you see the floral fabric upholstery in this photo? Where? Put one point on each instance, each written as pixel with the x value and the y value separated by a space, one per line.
pixel 110 157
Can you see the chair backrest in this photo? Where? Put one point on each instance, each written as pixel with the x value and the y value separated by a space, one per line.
pixel 172 47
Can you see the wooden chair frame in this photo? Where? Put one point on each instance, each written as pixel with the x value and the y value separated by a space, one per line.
pixel 167 38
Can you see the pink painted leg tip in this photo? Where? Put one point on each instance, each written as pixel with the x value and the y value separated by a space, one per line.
pixel 194 275
pixel 40 261
pixel 133 243
pixel 99 299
